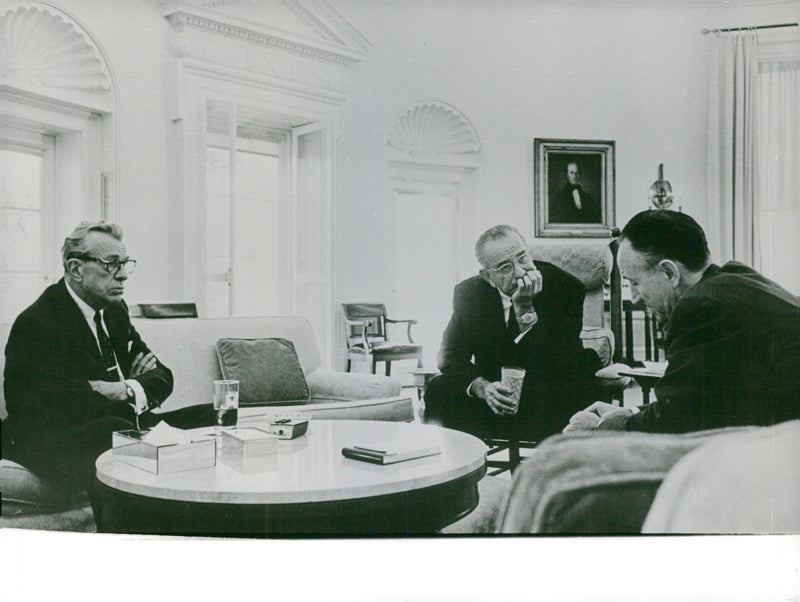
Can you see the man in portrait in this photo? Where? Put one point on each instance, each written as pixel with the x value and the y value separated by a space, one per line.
pixel 572 204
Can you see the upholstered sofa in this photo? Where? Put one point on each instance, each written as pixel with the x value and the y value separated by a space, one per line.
pixel 188 347
pixel 724 481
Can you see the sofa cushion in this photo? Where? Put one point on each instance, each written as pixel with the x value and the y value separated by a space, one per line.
pixel 329 385
pixel 188 348
pixel 23 493
pixel 268 370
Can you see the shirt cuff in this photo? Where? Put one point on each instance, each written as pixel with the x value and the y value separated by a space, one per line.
pixel 615 421
pixel 140 397
pixel 469 387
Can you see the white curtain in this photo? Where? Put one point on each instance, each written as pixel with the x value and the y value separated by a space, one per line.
pixel 779 186
pixel 733 148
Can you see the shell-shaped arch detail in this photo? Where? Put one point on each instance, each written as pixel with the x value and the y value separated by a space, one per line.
pixel 40 48
pixel 432 128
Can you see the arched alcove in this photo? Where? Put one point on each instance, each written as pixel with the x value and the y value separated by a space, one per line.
pixel 45 51
pixel 433 128
pixel 57 142
pixel 434 162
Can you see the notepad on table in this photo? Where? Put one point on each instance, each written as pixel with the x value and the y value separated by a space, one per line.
pixel 389 452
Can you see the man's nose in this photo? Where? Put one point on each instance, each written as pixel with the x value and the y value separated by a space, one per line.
pixel 519 271
pixel 121 274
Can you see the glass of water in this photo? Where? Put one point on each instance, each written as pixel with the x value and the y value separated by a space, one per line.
pixel 226 403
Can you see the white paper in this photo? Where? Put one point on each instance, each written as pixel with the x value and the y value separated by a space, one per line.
pixel 164 434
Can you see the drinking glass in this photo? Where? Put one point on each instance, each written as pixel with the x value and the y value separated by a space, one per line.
pixel 512 377
pixel 226 403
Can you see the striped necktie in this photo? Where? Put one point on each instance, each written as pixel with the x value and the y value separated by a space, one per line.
pixel 106 350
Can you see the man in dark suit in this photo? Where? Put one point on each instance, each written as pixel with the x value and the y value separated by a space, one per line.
pixel 572 204
pixel 516 312
pixel 732 336
pixel 76 369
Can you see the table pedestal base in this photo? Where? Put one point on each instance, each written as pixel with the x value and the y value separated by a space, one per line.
pixel 419 512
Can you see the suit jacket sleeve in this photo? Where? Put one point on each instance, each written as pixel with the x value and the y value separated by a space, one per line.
pixel 456 351
pixel 158 382
pixel 42 387
pixel 703 340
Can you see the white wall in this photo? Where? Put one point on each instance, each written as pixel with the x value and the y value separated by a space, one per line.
pixel 517 70
pixel 523 70
pixel 134 36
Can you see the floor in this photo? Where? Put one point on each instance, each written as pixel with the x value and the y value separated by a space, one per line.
pixel 632 396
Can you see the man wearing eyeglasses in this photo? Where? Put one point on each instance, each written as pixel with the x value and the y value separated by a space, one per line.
pixel 515 312
pixel 76 369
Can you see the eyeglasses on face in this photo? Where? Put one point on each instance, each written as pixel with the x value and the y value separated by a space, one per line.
pixel 112 266
pixel 506 269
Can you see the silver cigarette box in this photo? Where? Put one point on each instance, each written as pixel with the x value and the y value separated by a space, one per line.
pixel 129 447
pixel 248 442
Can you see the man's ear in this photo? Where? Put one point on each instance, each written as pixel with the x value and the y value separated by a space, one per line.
pixel 75 268
pixel 484 273
pixel 671 271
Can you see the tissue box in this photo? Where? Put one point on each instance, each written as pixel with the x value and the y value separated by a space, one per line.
pixel 287 428
pixel 128 447
pixel 248 442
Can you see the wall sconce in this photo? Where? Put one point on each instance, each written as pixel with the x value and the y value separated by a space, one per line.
pixel 661 191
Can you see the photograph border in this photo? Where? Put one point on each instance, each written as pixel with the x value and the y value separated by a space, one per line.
pixel 605 149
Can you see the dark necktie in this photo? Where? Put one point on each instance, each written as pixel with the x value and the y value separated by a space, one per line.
pixel 511 326
pixel 106 350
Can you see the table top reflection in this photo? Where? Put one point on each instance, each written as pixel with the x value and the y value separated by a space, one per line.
pixel 310 468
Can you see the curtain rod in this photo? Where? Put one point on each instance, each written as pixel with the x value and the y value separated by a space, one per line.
pixel 705 31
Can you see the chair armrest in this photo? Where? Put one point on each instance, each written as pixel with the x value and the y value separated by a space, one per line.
pixel 328 384
pixel 595 482
pixel 364 326
pixel 408 329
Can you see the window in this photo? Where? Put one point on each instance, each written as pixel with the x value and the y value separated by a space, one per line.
pixel 26 221
pixel 246 216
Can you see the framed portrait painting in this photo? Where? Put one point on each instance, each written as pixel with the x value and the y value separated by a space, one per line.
pixel 573 187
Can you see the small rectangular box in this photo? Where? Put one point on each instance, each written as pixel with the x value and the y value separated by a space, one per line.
pixel 287 428
pixel 129 447
pixel 248 442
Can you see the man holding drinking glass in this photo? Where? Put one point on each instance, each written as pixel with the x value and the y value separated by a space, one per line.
pixel 515 312
pixel 76 369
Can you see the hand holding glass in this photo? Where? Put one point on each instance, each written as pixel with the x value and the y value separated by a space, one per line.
pixel 226 403
pixel 513 377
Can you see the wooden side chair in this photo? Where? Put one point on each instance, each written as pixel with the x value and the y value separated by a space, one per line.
pixel 368 340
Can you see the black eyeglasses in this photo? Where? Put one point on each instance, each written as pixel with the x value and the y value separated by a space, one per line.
pixel 524 261
pixel 112 266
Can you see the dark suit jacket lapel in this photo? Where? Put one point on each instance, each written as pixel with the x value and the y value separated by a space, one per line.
pixel 73 321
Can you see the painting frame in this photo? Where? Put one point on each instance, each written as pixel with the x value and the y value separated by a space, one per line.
pixel 574 188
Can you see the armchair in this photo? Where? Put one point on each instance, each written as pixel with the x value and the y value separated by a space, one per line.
pixel 594 263
pixel 721 481
pixel 367 337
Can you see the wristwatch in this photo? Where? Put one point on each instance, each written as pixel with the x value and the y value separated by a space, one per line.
pixel 527 318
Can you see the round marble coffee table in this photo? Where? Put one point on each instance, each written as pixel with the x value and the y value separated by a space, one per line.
pixel 307 489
